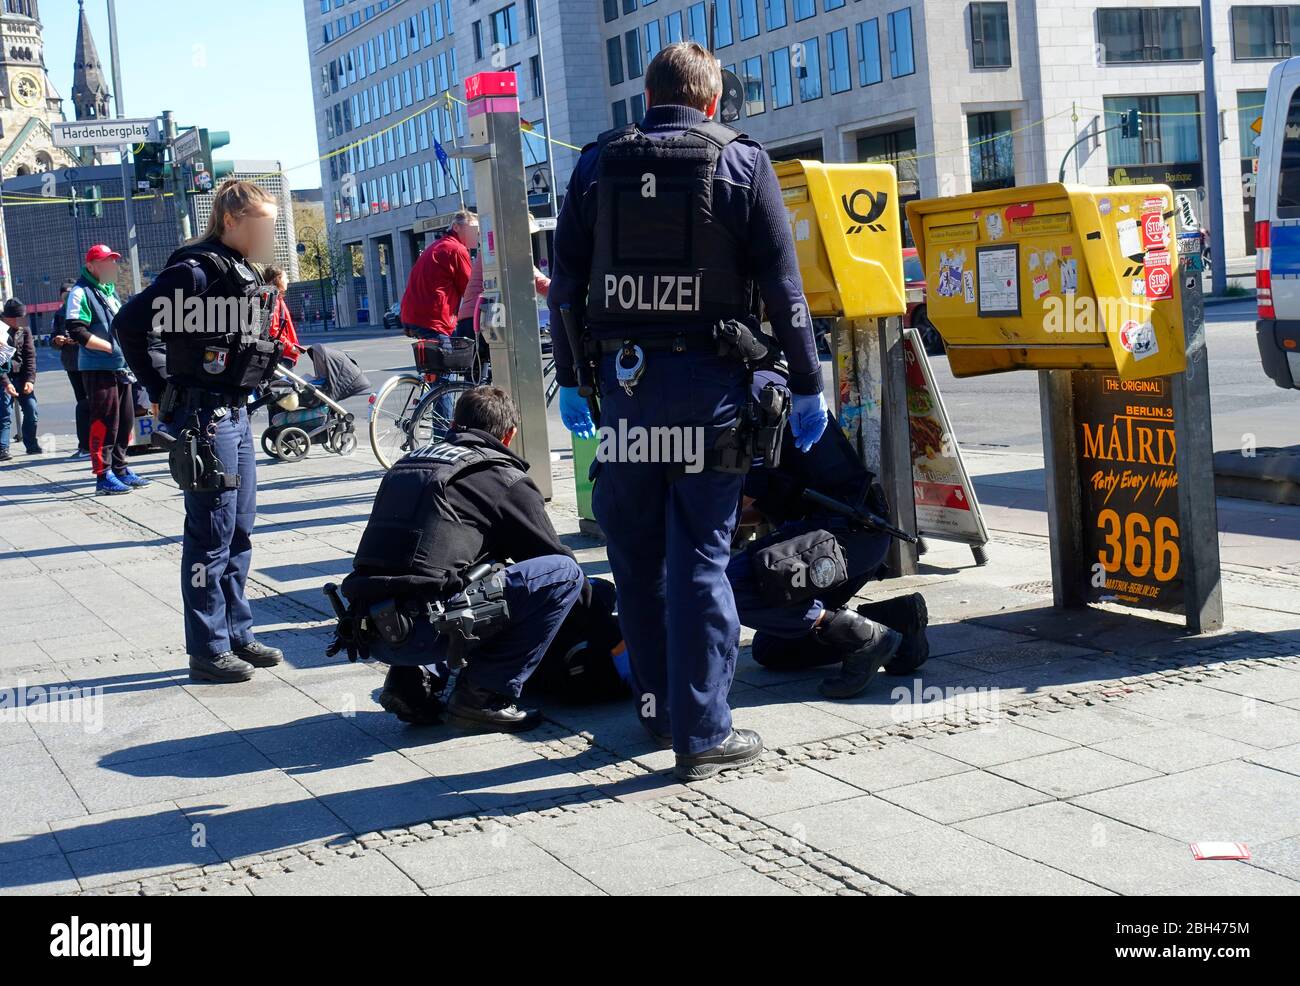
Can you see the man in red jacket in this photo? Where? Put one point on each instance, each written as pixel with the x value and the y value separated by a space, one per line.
pixel 438 279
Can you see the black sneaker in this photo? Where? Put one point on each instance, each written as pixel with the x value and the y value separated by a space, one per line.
pixel 480 709
pixel 4 454
pixel 909 616
pixel 259 655
pixel 224 667
pixel 870 646
pixel 740 749
pixel 408 695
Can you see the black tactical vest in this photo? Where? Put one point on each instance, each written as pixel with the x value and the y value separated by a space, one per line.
pixel 220 339
pixel 413 529
pixel 661 255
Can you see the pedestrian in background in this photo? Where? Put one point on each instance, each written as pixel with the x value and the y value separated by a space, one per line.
pixel 282 326
pixel 18 379
pixel 69 353
pixel 438 281
pixel 88 316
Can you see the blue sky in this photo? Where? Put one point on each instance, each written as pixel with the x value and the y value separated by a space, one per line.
pixel 236 65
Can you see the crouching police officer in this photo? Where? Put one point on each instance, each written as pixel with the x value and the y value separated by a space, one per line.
pixel 794 585
pixel 430 590
pixel 670 229
pixel 212 312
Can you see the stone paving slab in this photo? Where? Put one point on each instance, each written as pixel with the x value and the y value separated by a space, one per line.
pixel 1038 752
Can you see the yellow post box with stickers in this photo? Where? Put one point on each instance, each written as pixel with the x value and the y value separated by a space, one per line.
pixel 1051 277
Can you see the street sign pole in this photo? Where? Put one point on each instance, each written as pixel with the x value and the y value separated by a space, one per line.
pixel 128 205
pixel 180 197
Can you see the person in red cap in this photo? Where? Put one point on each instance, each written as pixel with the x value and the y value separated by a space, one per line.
pixel 88 317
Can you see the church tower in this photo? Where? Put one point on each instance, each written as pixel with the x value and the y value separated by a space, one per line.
pixel 28 100
pixel 89 90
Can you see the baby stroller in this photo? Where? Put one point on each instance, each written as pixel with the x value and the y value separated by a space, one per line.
pixel 307 411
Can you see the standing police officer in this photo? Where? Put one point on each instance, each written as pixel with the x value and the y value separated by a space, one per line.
pixel 213 314
pixel 670 227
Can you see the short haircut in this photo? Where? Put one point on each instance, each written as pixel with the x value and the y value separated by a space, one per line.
pixel 487 409
pixel 685 74
pixel 271 272
pixel 465 217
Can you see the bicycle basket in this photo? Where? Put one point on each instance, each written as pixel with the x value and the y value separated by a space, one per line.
pixel 450 355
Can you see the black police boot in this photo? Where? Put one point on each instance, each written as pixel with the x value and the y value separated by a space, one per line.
pixel 740 749
pixel 909 616
pixel 224 667
pixel 259 655
pixel 479 708
pixel 870 646
pixel 407 694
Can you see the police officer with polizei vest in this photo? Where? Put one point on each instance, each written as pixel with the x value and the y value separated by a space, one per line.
pixel 459 567
pixel 212 312
pixel 671 229
pixel 793 585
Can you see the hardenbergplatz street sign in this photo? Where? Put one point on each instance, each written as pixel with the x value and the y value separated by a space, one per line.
pixel 97 133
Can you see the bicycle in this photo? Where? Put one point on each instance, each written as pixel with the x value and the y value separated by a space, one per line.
pixel 412 410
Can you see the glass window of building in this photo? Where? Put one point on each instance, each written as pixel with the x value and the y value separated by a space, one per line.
pixel 990 35
pixel 992 151
pixel 653 41
pixel 810 69
pixel 869 70
pixel 722 36
pixel 505 26
pixel 698 21
pixel 1149 34
pixel 782 90
pixel 632 46
pixel 902 60
pixel 774 13
pixel 751 76
pixel 619 109
pixel 614 55
pixel 747 12
pixel 675 27
pixel 1171 132
pixel 837 60
pixel 803 9
pixel 1264 32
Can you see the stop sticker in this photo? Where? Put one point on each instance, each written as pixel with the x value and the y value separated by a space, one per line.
pixel 1154 231
pixel 1160 282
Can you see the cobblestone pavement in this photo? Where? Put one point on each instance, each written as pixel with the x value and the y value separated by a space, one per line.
pixel 1037 752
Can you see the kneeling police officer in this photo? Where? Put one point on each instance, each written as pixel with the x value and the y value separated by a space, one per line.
pixel 430 590
pixel 794 585
pixel 212 312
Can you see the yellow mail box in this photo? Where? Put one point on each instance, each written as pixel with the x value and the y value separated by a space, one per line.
pixel 848 236
pixel 1054 276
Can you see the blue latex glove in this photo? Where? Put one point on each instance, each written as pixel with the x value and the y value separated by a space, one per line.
pixel 808 417
pixel 575 413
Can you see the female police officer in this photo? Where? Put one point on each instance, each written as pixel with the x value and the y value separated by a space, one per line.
pixel 211 311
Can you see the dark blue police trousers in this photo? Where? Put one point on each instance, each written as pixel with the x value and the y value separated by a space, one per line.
pixel 669 533
pixel 217 549
pixel 539 592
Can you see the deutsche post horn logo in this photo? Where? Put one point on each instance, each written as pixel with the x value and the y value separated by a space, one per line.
pixel 867 220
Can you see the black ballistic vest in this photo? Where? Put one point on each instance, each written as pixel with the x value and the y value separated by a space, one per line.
pixel 661 256
pixel 413 529
pixel 228 346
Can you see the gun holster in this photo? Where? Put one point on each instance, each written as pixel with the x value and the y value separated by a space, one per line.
pixel 195 465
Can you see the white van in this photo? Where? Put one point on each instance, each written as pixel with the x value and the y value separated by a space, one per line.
pixel 1277 227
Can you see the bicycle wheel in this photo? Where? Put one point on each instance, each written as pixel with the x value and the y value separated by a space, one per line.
pixel 392 412
pixel 433 415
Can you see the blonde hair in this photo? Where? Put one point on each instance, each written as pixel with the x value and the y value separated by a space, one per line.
pixel 234 198
pixel 685 74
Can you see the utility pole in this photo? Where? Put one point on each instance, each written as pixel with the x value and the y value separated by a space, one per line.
pixel 179 196
pixel 546 117
pixel 1213 177
pixel 128 206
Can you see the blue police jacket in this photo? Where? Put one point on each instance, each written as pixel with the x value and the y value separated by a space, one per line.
pixel 747 199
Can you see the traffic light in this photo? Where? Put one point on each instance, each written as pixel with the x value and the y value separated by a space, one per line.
pixel 150 166
pixel 1131 125
pixel 212 139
